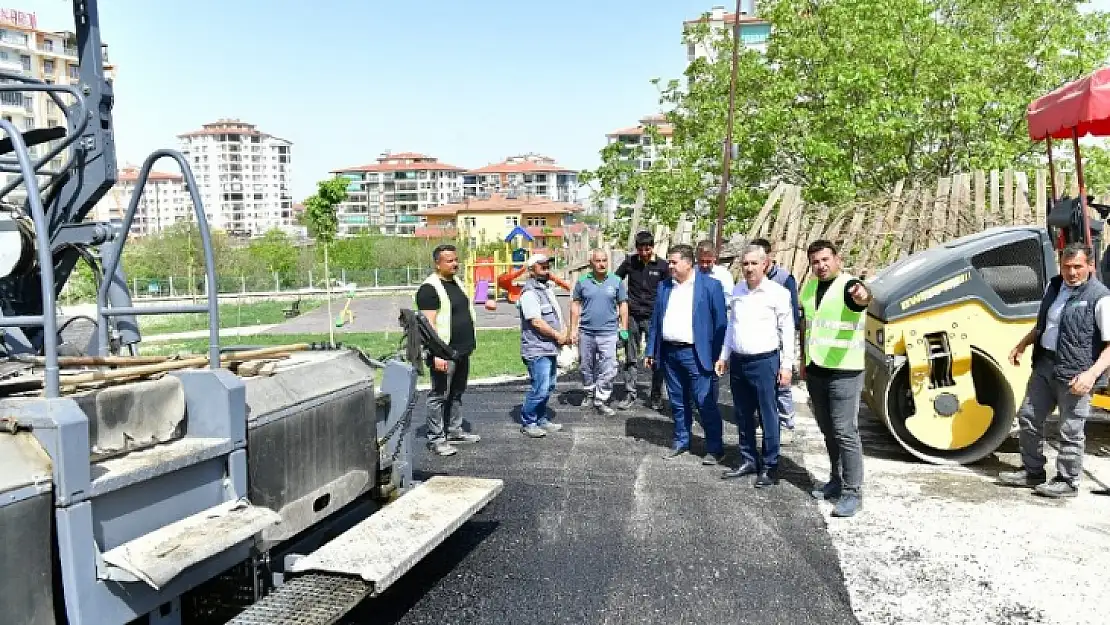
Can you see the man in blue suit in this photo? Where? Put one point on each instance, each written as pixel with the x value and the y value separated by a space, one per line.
pixel 687 332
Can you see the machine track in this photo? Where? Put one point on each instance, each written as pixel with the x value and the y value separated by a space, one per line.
pixel 314 599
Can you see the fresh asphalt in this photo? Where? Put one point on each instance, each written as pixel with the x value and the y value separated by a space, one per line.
pixel 595 527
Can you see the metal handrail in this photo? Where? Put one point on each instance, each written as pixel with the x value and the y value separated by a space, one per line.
pixel 48 317
pixel 65 142
pixel 112 264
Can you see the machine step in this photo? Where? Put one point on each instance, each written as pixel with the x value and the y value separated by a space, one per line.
pixel 385 546
pixel 158 557
pixel 146 464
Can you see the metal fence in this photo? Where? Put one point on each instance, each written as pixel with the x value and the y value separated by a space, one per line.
pixel 195 286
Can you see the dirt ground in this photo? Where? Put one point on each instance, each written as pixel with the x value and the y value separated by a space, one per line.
pixel 948 545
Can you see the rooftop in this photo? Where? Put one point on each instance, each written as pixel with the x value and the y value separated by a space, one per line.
pixel 131 174
pixel 720 15
pixel 523 164
pixel 228 126
pixel 657 120
pixel 401 161
pixel 501 203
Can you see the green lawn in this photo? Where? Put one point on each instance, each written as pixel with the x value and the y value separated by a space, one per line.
pixel 231 316
pixel 498 351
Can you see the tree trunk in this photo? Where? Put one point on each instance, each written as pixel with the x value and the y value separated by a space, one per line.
pixel 327 289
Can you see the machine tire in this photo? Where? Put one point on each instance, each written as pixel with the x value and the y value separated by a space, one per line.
pixel 991 389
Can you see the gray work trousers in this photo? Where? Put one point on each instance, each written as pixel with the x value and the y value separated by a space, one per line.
pixel 445 399
pixel 597 355
pixel 1043 394
pixel 835 400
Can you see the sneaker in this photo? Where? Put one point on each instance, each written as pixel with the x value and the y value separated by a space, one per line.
pixel 1057 488
pixel 443 448
pixel 605 410
pixel 1022 478
pixel 463 438
pixel 548 426
pixel 626 403
pixel 848 505
pixel 655 403
pixel 828 491
pixel 533 431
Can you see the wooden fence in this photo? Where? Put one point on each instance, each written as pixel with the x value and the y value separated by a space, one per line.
pixel 912 218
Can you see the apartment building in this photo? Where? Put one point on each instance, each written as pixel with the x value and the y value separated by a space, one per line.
pixel 385 197
pixel 49 56
pixel 524 175
pixel 754 31
pixel 639 135
pixel 244 176
pixel 164 202
pixel 486 220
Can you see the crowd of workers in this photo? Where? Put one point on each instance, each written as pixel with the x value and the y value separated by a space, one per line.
pixel 687 323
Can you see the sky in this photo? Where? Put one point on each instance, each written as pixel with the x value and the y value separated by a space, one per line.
pixel 470 82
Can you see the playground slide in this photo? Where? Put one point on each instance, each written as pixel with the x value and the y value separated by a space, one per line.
pixel 481 292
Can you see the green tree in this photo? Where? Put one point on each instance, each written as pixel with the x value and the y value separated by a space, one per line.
pixel 853 95
pixel 319 210
pixel 275 253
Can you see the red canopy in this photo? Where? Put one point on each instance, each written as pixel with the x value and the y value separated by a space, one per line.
pixel 1083 105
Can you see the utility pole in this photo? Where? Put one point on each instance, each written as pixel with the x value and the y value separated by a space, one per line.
pixel 722 200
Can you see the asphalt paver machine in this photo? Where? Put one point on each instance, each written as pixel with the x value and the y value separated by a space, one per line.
pixel 943 321
pixel 138 489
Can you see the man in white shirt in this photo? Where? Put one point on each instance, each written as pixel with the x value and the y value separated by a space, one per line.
pixel 758 352
pixel 707 264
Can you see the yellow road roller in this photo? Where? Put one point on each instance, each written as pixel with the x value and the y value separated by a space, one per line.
pixel 939 329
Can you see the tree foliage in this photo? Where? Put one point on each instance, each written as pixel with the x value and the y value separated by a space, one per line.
pixel 853 95
pixel 319 209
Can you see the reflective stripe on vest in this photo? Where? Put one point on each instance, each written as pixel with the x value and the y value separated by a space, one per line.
pixel 834 333
pixel 443 315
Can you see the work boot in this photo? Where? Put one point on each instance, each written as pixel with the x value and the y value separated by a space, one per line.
pixel 1022 478
pixel 548 426
pixel 848 505
pixel 533 431
pixel 829 491
pixel 463 438
pixel 1057 488
pixel 443 448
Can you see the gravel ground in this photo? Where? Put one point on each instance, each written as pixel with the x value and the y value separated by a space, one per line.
pixel 947 545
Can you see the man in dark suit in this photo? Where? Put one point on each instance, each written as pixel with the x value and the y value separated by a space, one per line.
pixel 687 332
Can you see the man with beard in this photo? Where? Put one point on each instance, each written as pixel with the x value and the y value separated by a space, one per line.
pixel 542 333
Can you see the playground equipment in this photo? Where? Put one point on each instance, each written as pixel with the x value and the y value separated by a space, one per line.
pixel 345 315
pixel 943 321
pixel 146 489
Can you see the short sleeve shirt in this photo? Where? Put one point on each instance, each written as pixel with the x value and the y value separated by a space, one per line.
pixel 599 301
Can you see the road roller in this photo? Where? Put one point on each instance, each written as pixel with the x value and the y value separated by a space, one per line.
pixel 943 321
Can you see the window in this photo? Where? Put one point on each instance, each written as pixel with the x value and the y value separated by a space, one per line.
pixel 48 66
pixel 470 222
pixel 537 221
pixel 511 221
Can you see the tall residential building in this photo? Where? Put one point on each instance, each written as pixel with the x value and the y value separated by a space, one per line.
pixel 524 175
pixel 43 55
pixel 754 31
pixel 164 202
pixel 244 176
pixel 385 197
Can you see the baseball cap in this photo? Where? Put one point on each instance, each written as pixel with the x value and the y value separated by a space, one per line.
pixel 536 258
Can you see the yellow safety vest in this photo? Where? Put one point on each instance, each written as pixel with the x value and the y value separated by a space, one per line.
pixel 834 333
pixel 443 315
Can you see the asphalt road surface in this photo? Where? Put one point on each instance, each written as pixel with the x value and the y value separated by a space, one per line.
pixel 594 527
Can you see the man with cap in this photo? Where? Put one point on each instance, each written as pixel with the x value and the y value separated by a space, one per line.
pixel 542 333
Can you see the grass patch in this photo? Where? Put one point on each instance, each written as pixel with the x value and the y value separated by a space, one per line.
pixel 231 316
pixel 498 351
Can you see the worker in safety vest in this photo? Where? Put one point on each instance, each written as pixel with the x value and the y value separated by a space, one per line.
pixel 444 302
pixel 834 303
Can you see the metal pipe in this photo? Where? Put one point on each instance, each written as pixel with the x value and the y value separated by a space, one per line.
pixel 1051 170
pixel 1082 186
pixel 722 200
pixel 46 260
pixel 23 321
pixel 69 139
pixel 206 244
